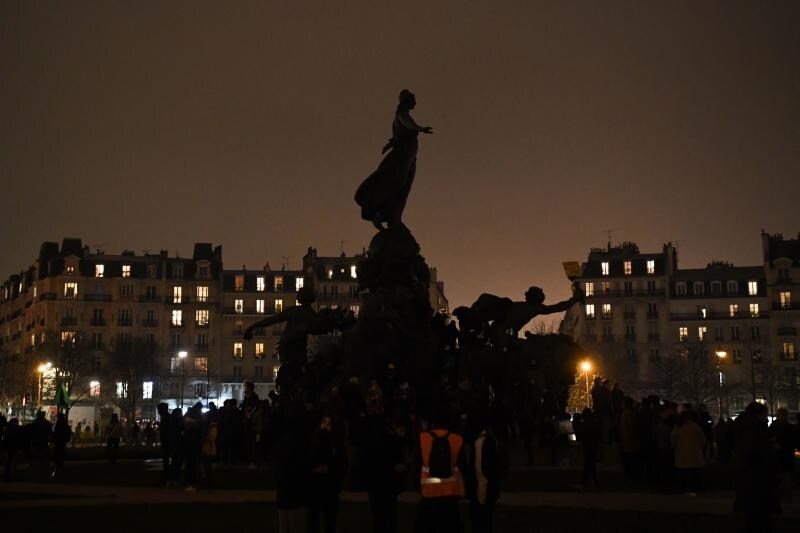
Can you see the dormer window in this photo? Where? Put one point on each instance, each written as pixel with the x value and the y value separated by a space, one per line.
pixel 298 283
pixel 203 271
pixel 126 271
pixel 733 287
pixel 353 273
pixel 178 271
pixel 278 284
pixel 651 266
pixel 698 288
pixel 99 270
pixel 70 269
pixel 680 289
pixel 628 268
pixel 604 268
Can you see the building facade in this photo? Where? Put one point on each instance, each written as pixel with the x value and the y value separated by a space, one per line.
pixel 191 311
pixel 721 334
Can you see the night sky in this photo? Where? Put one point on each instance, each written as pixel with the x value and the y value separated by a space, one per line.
pixel 150 125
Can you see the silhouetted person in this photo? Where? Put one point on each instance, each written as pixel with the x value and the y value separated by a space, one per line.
pixel 383 195
pixel 756 473
pixel 385 461
pixel 327 470
pixel 783 438
pixel 167 436
pixel 486 466
pixel 292 470
pixel 14 443
pixel 61 436
pixel 41 431
pixel 113 435
pixel 688 444
pixel 587 432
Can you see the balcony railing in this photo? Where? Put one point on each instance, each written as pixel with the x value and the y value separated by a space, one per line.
pixel 125 322
pixel 608 338
pixel 788 356
pixel 629 314
pixel 97 297
pixel 47 296
pixel 149 298
pixel 201 348
pixel 149 323
pixel 787 330
pixel 718 315
pixel 176 324
pixel 624 294
pixel 69 321
pixel 653 337
pixel 202 324
pixel 97 321
pixel 788 306
pixel 652 314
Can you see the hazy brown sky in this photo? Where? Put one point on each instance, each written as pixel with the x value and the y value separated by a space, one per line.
pixel 151 125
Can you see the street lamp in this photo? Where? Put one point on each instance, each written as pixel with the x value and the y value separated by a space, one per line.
pixel 182 356
pixel 721 354
pixel 44 367
pixel 586 366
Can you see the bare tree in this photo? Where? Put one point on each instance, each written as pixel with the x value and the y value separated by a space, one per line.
pixel 72 361
pixel 13 376
pixel 770 381
pixel 130 365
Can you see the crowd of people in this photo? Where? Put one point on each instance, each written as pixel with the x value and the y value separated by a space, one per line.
pixel 371 437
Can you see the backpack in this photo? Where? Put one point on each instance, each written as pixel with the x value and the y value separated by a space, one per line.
pixel 439 461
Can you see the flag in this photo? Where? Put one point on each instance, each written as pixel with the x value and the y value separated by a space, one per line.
pixel 61 396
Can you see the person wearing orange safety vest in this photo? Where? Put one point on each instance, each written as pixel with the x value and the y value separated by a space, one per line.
pixel 441 484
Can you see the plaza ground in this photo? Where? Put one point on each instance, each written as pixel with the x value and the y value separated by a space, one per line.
pixel 539 499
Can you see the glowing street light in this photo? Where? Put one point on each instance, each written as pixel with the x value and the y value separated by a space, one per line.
pixel 182 356
pixel 586 366
pixel 721 354
pixel 44 367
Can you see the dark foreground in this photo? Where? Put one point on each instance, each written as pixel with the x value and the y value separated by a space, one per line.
pixel 354 519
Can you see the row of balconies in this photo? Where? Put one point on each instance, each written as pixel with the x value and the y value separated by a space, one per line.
pixel 626 293
pixel 718 315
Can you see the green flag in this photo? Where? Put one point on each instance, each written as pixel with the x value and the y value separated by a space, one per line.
pixel 61 396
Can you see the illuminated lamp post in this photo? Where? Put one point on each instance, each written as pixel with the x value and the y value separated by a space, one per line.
pixel 182 356
pixel 721 354
pixel 586 366
pixel 44 367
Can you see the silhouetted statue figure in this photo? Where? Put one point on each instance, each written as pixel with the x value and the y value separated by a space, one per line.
pixel 301 321
pixel 383 195
pixel 499 319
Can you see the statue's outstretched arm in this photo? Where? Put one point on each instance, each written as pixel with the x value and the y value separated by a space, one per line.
pixel 577 296
pixel 409 123
pixel 269 321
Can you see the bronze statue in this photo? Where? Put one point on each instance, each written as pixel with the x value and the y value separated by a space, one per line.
pixel 383 195
pixel 499 319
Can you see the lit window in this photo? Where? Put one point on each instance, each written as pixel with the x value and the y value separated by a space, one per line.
pixel 752 288
pixel 330 272
pixel 604 268
pixel 680 289
pixel 275 370
pixel 355 309
pixel 177 317
pixel 605 287
pixel 298 283
pixel 733 310
pixel 606 310
pixel 35 292
pixel 70 269
pixel 238 282
pixel 177 294
pixel 589 288
pixel 628 269
pixel 94 388
pixel 238 306
pixel 754 310
pixel 704 312
pixel 237 350
pixel 651 266
pixel 259 306
pixel 278 283
pixel 590 311
pixel 201 317
pixel 99 270
pixel 786 299
pixel 353 273
pixel 202 293
pixel 126 271
pixel 121 389
pixel 701 333
pixel 260 284
pixel 788 350
pixel 683 333
pixel 147 390
pixel 71 290
pixel 201 364
pixel 259 350
pixel 279 306
pixel 67 336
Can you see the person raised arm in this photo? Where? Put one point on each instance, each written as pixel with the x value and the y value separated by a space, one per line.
pixel 409 123
pixel 577 296
pixel 269 321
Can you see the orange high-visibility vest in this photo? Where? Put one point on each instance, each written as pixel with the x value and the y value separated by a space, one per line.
pixel 434 487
